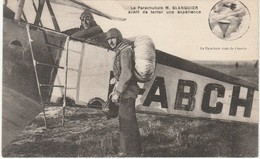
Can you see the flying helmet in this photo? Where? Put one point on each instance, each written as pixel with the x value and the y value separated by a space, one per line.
pixel 114 33
pixel 86 14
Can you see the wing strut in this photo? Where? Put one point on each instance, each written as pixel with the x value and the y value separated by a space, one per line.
pixel 39 12
pixel 19 10
pixel 54 20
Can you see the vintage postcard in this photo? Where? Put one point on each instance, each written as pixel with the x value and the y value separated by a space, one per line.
pixel 121 78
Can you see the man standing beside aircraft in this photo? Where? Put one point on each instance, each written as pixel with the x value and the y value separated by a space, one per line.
pixel 87 28
pixel 125 94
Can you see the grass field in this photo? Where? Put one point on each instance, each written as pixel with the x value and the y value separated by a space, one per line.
pixel 87 133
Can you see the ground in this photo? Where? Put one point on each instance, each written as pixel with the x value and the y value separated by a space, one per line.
pixel 87 133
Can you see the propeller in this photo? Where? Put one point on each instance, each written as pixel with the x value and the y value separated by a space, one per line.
pixel 84 6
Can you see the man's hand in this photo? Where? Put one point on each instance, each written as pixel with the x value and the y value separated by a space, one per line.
pixel 115 98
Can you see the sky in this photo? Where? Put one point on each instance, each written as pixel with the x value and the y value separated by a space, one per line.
pixel 184 35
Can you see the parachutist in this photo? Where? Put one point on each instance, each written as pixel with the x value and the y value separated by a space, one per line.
pixel 124 94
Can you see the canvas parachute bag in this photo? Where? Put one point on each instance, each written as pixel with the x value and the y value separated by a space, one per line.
pixel 145 58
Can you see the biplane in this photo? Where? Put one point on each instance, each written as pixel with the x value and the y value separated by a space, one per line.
pixel 47 66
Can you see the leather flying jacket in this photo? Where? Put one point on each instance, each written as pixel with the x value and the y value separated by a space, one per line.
pixel 123 71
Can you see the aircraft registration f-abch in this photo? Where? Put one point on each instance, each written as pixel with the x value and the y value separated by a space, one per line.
pixel 45 65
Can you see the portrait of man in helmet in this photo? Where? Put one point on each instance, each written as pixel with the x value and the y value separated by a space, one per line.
pixel 87 28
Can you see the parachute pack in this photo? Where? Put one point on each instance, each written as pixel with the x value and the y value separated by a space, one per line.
pixel 144 57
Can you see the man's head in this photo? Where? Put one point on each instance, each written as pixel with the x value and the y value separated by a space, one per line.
pixel 233 6
pixel 86 19
pixel 114 37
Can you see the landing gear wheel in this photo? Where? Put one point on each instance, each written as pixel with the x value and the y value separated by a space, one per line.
pixel 95 103
pixel 69 101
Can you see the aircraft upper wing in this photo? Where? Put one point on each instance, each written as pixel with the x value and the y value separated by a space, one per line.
pixel 86 5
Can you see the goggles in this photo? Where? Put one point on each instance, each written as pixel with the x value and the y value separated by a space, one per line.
pixel 85 18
